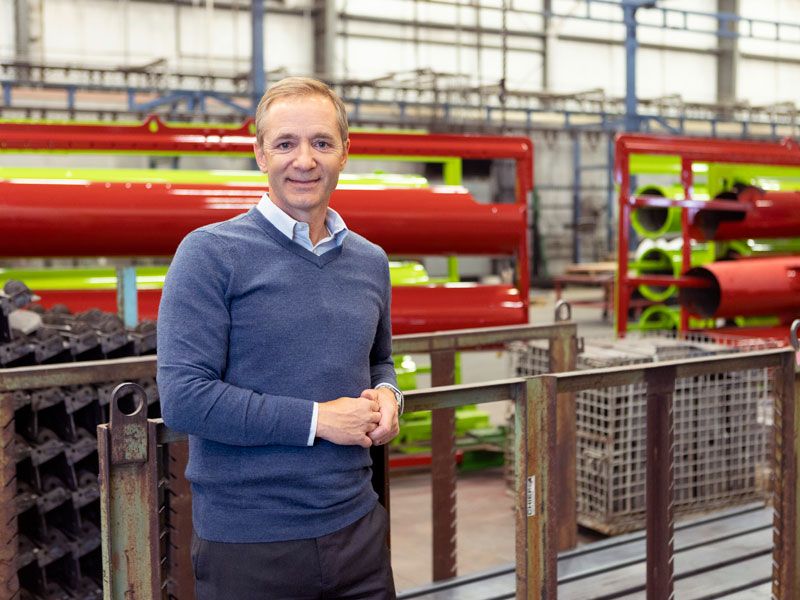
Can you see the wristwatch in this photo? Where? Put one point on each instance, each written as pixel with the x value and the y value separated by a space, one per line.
pixel 398 395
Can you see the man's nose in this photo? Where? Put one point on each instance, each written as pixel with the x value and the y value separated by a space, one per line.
pixel 304 158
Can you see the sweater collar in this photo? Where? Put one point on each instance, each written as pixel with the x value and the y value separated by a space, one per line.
pixel 281 238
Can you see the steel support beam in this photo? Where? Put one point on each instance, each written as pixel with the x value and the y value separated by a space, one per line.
pixel 546 40
pixel 22 37
pixel 258 82
pixel 576 198
pixel 631 45
pixel 325 20
pixel 728 57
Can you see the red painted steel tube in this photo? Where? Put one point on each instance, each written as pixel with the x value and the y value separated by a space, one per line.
pixel 417 309
pixel 786 152
pixel 750 286
pixel 116 219
pixel 155 136
pixel 414 309
pixel 766 215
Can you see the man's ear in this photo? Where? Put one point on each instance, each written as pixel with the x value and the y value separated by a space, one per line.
pixel 345 154
pixel 261 158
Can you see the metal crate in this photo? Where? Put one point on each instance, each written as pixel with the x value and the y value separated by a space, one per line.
pixel 720 440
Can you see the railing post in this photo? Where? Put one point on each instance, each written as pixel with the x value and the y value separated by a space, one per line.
pixel 181 578
pixel 660 482
pixel 786 533
pixel 535 451
pixel 443 471
pixel 127 452
pixel 9 583
pixel 563 356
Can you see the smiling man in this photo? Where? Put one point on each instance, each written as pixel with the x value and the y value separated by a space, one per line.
pixel 274 355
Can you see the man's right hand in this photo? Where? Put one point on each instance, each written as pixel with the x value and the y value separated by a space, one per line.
pixel 348 421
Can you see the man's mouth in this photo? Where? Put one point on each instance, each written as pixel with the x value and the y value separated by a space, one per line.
pixel 303 181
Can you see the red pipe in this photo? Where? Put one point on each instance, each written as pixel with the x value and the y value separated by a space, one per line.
pixel 65 218
pixel 156 136
pixel 414 309
pixel 455 306
pixel 750 286
pixel 767 215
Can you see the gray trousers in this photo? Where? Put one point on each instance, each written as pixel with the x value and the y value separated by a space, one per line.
pixel 350 563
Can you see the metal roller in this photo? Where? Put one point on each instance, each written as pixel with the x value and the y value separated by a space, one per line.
pixel 83 218
pixel 754 286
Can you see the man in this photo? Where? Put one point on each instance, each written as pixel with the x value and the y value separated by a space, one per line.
pixel 274 355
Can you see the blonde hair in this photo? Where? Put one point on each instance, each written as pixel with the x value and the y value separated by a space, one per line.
pixel 293 87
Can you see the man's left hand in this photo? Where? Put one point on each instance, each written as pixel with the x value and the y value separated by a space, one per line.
pixel 388 427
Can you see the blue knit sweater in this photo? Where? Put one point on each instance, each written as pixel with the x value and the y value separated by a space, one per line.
pixel 252 329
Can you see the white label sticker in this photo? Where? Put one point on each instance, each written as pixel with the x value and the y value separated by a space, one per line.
pixel 532 495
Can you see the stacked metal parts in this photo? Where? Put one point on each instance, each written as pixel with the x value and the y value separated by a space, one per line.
pixel 721 433
pixel 729 261
pixel 53 452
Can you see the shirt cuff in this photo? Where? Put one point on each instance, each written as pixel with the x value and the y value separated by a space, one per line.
pixel 313 429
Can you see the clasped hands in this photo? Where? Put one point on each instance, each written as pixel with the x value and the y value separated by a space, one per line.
pixel 369 420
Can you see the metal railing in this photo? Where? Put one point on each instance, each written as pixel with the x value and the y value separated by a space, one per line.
pixel 104 374
pixel 660 382
pixel 129 457
pixel 130 485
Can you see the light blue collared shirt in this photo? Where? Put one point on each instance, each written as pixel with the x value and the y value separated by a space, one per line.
pixel 299 232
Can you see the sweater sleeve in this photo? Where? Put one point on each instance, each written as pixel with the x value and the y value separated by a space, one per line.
pixel 380 358
pixel 193 333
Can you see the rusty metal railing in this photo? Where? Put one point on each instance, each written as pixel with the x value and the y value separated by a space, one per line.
pixel 660 383
pixel 129 456
pixel 536 401
pixel 178 500
pixel 130 522
pixel 442 347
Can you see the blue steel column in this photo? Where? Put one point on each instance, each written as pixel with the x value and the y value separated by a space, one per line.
pixel 576 198
pixel 127 299
pixel 631 44
pixel 257 78
pixel 610 197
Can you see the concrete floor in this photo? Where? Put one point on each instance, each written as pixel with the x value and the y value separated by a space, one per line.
pixel 485 521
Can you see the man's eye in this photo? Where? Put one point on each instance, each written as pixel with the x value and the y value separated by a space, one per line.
pixel 323 144
pixel 283 145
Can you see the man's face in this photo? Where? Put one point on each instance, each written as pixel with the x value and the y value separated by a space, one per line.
pixel 302 153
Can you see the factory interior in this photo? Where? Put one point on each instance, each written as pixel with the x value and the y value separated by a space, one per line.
pixel 591 211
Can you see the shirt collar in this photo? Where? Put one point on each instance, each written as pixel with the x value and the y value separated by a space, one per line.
pixel 286 224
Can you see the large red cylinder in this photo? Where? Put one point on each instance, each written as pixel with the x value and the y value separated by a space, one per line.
pixel 79 218
pixel 749 286
pixel 415 309
pixel 766 215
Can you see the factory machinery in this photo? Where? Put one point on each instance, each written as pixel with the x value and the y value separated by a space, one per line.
pixel 720 247
pixel 50 547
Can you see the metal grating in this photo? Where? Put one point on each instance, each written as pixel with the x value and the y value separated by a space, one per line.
pixel 721 430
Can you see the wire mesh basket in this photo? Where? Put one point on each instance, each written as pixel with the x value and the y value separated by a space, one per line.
pixel 721 420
